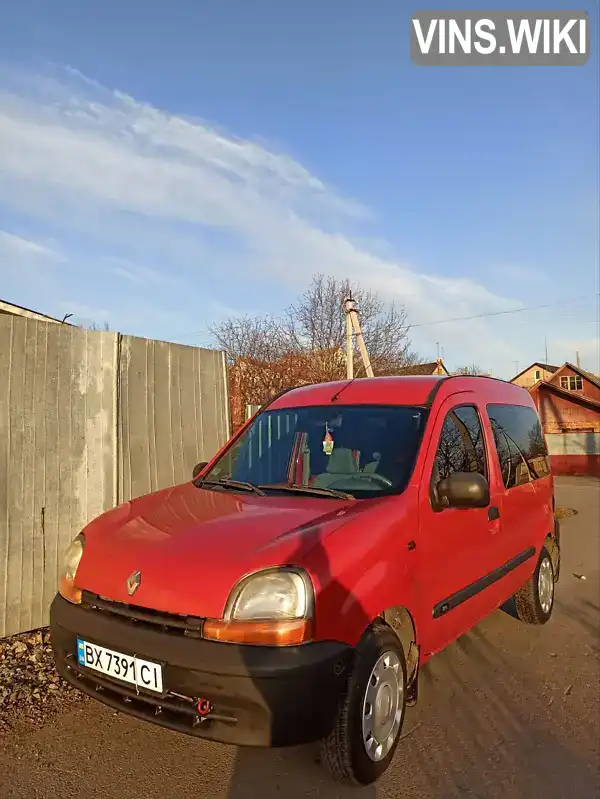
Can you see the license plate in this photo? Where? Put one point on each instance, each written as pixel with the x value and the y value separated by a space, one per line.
pixel 126 668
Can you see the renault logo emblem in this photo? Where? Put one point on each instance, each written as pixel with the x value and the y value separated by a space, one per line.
pixel 133 582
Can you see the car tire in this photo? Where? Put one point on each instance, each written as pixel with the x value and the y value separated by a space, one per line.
pixel 369 720
pixel 535 601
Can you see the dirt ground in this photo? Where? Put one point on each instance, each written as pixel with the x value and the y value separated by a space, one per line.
pixel 507 711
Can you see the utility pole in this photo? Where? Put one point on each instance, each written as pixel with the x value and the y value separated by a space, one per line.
pixel 546 348
pixel 349 349
pixel 353 324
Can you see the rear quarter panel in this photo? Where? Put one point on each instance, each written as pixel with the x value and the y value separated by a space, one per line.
pixel 527 511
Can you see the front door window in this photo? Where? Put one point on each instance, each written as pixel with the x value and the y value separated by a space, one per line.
pixel 461 446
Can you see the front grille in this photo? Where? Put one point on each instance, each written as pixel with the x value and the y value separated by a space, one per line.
pixel 171 710
pixel 171 623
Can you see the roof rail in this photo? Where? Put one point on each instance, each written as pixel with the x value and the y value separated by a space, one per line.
pixel 444 378
pixel 487 377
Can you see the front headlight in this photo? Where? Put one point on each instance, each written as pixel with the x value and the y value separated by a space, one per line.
pixel 274 594
pixel 272 607
pixel 66 583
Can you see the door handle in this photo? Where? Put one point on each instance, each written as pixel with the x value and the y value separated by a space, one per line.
pixel 493 514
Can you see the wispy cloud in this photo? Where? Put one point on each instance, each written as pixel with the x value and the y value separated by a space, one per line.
pixel 16 251
pixel 133 272
pixel 89 315
pixel 105 147
pixel 588 351
pixel 519 274
pixel 178 199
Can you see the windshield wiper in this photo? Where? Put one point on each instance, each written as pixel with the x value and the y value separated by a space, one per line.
pixel 225 482
pixel 302 489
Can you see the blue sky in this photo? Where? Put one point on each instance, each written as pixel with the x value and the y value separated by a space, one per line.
pixel 164 166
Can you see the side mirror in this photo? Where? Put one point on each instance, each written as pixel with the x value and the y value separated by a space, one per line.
pixel 464 490
pixel 198 468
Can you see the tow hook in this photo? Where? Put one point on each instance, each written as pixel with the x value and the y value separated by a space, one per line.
pixel 203 707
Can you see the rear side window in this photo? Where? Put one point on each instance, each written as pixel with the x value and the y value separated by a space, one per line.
pixel 461 447
pixel 520 443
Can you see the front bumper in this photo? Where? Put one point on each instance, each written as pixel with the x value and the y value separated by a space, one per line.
pixel 261 696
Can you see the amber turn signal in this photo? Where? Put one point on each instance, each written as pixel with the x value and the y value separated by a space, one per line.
pixel 265 633
pixel 68 591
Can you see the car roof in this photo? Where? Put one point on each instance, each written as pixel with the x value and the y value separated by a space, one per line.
pixel 405 390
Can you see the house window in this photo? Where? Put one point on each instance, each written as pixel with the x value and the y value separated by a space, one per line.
pixel 538 374
pixel 571 383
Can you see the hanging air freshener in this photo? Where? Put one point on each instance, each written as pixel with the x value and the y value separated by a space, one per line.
pixel 328 443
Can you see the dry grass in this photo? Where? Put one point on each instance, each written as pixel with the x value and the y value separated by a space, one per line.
pixel 563 513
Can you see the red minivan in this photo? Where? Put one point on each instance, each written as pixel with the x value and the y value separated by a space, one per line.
pixel 292 589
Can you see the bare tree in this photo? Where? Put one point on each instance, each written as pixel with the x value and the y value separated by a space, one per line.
pixel 307 344
pixel 317 323
pixel 258 338
pixel 472 369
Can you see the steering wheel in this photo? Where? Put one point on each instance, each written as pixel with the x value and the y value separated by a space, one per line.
pixel 376 478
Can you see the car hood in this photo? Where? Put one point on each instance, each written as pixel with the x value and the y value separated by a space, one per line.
pixel 192 545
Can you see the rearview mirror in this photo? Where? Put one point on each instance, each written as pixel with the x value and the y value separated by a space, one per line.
pixel 464 490
pixel 198 468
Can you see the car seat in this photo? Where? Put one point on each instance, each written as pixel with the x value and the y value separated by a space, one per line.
pixel 341 463
pixel 371 467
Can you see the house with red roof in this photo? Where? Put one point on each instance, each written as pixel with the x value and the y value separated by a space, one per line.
pixel 568 402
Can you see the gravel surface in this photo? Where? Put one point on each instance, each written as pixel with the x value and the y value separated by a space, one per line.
pixel 30 689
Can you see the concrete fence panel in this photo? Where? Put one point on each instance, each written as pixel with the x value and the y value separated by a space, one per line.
pixel 173 413
pixel 89 419
pixel 57 446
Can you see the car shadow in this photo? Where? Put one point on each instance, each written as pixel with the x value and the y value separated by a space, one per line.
pixel 510 608
pixel 494 721
pixel 586 615
pixel 297 771
pixel 491 730
pixel 483 728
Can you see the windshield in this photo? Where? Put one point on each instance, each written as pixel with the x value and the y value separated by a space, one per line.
pixel 362 450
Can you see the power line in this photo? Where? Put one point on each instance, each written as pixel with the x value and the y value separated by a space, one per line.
pixel 498 313
pixel 474 316
pixel 561 316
